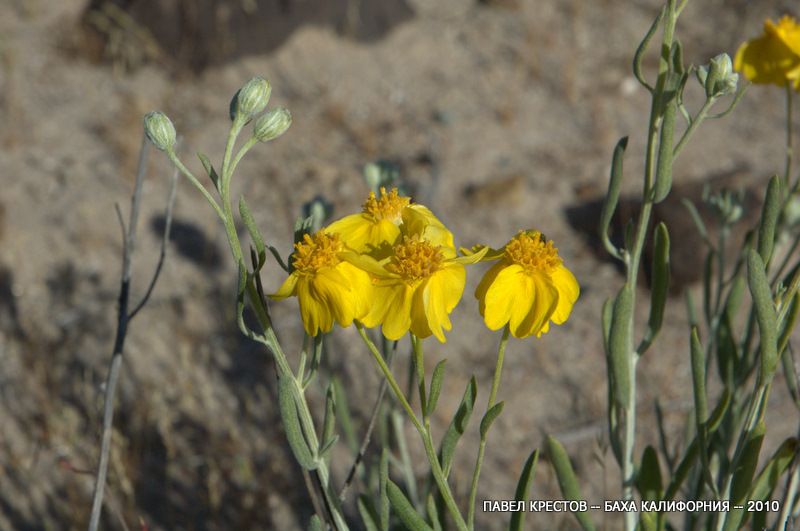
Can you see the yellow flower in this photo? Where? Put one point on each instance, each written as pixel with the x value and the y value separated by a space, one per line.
pixel 384 220
pixel 327 287
pixel 527 288
pixel 773 58
pixel 415 287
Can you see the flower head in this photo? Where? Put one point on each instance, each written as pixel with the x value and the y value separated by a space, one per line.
pixel 415 287
pixel 773 58
pixel 159 130
pixel 384 220
pixel 327 287
pixel 527 288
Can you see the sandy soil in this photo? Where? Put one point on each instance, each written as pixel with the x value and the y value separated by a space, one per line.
pixel 501 116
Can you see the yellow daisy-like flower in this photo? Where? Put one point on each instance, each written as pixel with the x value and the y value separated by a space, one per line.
pixel 327 287
pixel 384 220
pixel 415 288
pixel 773 58
pixel 527 288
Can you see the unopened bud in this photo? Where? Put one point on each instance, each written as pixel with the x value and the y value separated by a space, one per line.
pixel 272 124
pixel 251 99
pixel 159 130
pixel 718 77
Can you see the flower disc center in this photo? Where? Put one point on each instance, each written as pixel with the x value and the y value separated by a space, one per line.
pixel 317 252
pixel 388 206
pixel 415 259
pixel 529 250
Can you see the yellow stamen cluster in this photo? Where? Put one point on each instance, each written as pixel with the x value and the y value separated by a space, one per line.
pixel 529 250
pixel 388 206
pixel 415 259
pixel 317 252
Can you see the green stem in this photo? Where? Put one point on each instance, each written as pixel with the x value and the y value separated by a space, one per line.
pixel 419 365
pixel 252 141
pixel 498 370
pixel 627 415
pixel 787 174
pixel 189 175
pixel 701 115
pixel 424 432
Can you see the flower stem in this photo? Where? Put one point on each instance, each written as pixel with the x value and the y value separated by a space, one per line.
pixel 787 174
pixel 498 369
pixel 189 175
pixel 424 431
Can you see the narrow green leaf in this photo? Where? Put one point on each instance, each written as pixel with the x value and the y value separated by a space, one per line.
pixel 343 415
pixel 367 512
pixel 769 218
pixel 608 311
pixel 765 314
pixel 612 197
pixel 619 343
pixel 743 476
pixel 315 524
pixel 699 379
pixel 649 480
pixel 686 464
pixel 212 173
pixel 291 423
pixel 677 57
pixel 433 512
pixel 663 183
pixel 329 420
pixel 458 425
pixel 566 479
pixel 384 497
pixel 698 221
pixel 252 229
pixel 436 387
pixel 489 418
pixel 660 285
pixel 523 489
pixel 790 375
pixel 642 48
pixel 648 521
pixel 404 509
pixel 788 322
pixel 768 479
pixel 325 449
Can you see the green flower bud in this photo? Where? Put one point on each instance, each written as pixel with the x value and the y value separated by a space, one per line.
pixel 159 130
pixel 718 77
pixel 251 99
pixel 272 124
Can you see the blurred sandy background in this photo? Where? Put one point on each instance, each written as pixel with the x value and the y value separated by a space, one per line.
pixel 500 114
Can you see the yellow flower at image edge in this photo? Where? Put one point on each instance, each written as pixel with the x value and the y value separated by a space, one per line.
pixel 384 219
pixel 527 288
pixel 327 288
pixel 773 58
pixel 415 288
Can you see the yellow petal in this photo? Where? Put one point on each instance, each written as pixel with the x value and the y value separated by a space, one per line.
pixel 568 291
pixel 287 289
pixel 486 282
pixel 440 295
pixel 331 289
pixel 419 220
pixel 360 287
pixel 510 294
pixel 366 263
pixel 354 230
pixel 766 60
pixel 397 319
pixel 544 304
pixel 472 258
pixel 310 309
pixel 420 325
